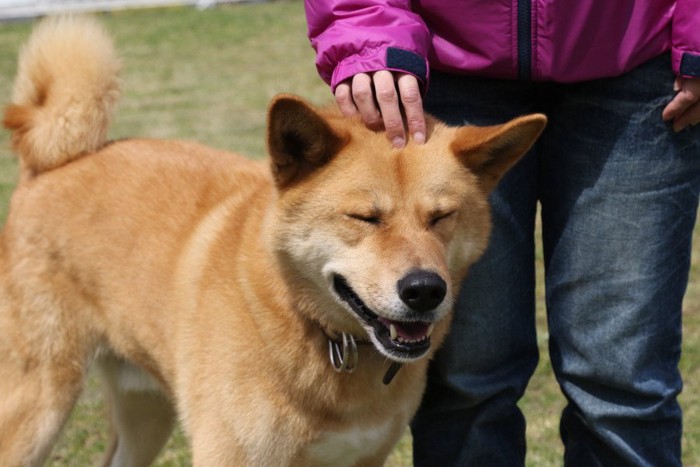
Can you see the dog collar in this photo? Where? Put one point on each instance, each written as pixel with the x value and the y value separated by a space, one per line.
pixel 344 356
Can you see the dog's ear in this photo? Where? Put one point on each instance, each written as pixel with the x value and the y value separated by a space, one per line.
pixel 299 139
pixel 490 151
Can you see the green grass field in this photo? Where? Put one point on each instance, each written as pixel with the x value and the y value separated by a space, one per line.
pixel 208 76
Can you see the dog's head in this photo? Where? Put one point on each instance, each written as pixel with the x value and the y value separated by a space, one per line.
pixel 376 239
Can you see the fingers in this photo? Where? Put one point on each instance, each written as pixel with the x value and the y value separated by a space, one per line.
pixel 343 97
pixel 389 107
pixel 413 106
pixel 684 108
pixel 381 100
pixel 690 117
pixel 363 96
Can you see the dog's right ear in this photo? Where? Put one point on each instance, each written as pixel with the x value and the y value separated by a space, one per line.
pixel 299 139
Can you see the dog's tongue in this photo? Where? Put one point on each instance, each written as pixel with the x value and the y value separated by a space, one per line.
pixel 407 331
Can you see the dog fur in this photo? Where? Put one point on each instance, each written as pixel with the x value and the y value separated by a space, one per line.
pixel 205 287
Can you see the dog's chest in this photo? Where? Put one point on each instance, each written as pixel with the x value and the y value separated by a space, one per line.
pixel 346 448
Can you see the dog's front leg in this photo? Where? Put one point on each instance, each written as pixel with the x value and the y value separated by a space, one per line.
pixel 141 415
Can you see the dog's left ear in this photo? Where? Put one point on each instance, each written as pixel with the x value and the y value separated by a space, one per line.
pixel 299 139
pixel 490 151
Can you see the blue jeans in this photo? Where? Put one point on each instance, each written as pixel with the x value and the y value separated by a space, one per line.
pixel 619 192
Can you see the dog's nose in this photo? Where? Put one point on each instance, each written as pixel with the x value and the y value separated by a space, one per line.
pixel 422 290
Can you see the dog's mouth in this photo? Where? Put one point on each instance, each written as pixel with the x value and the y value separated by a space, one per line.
pixel 401 340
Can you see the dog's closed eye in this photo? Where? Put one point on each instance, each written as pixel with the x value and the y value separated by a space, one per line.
pixel 373 219
pixel 436 217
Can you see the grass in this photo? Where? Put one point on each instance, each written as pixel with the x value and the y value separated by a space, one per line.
pixel 208 76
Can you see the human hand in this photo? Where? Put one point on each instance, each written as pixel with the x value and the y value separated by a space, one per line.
pixel 684 109
pixel 395 94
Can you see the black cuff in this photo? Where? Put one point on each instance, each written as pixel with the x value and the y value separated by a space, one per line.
pixel 690 65
pixel 408 61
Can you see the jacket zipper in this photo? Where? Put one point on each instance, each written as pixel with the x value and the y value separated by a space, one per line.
pixel 525 39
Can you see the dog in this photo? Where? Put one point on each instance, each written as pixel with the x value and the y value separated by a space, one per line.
pixel 284 311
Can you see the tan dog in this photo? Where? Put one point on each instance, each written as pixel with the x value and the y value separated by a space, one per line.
pixel 263 307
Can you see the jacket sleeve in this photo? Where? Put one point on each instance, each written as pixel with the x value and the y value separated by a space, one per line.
pixel 360 36
pixel 685 50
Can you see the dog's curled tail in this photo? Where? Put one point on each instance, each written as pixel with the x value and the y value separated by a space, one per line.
pixel 66 88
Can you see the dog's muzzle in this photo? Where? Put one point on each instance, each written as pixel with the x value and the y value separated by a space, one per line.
pixel 401 341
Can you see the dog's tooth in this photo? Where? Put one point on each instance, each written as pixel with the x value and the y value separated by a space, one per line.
pixel 430 330
pixel 392 331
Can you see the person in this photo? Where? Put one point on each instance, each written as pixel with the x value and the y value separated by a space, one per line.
pixel 617 177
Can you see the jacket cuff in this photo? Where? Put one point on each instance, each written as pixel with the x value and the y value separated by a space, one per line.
pixel 389 58
pixel 685 64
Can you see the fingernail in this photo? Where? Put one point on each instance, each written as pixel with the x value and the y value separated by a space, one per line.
pixel 419 138
pixel 398 142
pixel 676 86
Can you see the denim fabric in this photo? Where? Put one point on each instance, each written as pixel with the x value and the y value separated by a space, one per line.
pixel 619 194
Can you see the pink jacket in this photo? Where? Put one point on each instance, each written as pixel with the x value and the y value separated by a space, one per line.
pixel 541 40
